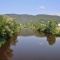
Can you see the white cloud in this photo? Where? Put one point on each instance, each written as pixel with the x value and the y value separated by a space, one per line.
pixel 58 14
pixel 42 7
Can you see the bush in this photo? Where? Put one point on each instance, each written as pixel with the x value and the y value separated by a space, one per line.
pixel 8 26
pixel 51 27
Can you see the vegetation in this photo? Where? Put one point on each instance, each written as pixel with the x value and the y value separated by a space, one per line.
pixel 49 28
pixel 8 26
pixel 40 26
pixel 40 23
pixel 58 31
pixel 23 18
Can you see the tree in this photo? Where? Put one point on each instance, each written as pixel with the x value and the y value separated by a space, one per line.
pixel 51 27
pixel 8 26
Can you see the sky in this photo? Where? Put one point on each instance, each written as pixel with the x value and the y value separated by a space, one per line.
pixel 32 7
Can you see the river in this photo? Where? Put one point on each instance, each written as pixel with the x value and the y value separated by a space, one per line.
pixel 31 46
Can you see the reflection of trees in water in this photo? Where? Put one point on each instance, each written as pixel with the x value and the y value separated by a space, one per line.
pixel 39 34
pixel 51 39
pixel 6 51
pixel 14 40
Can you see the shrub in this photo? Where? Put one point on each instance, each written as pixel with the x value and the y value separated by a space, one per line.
pixel 8 26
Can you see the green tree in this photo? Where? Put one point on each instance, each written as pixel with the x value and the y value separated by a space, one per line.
pixel 8 26
pixel 51 27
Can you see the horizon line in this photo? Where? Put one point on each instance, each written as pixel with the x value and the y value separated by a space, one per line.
pixel 29 14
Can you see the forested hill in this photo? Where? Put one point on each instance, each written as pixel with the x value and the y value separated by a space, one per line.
pixel 28 18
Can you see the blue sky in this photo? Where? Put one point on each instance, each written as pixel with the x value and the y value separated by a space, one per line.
pixel 33 7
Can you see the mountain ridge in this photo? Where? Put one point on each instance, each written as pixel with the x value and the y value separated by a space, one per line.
pixel 22 18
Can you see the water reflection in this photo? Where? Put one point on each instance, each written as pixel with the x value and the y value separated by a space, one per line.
pixel 51 39
pixel 5 51
pixel 2 41
pixel 28 32
pixel 31 46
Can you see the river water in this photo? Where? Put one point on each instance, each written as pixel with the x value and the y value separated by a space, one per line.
pixel 31 46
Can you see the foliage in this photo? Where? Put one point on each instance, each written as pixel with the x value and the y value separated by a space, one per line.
pixel 58 31
pixel 23 18
pixel 40 26
pixel 51 27
pixel 8 26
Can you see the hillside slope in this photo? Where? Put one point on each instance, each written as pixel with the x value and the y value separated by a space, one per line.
pixel 27 18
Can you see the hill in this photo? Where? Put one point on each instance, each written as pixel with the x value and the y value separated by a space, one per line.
pixel 28 18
